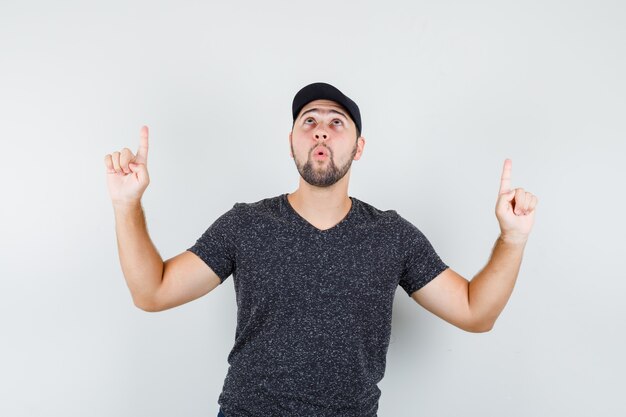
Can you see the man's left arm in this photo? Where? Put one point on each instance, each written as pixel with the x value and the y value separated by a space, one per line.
pixel 474 306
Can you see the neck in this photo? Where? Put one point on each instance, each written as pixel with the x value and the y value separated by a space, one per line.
pixel 322 206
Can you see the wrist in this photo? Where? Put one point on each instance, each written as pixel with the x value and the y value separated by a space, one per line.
pixel 126 205
pixel 513 239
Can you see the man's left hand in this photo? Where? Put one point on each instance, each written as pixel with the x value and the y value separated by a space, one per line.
pixel 515 209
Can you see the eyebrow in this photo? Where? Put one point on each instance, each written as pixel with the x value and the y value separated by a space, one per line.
pixel 329 111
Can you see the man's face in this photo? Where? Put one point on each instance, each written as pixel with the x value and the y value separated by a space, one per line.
pixel 323 143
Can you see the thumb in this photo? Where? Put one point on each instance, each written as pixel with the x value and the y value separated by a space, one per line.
pixel 505 198
pixel 140 170
pixel 510 195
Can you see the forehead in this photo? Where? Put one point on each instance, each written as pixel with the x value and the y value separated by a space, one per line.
pixel 324 104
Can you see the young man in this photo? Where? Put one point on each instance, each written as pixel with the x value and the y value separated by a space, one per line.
pixel 315 271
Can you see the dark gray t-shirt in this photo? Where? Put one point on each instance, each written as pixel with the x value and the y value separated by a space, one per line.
pixel 313 306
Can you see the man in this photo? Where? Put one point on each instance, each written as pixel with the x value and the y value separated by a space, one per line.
pixel 315 271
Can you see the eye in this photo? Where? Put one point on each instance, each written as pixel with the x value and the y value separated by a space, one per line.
pixel 337 120
pixel 307 119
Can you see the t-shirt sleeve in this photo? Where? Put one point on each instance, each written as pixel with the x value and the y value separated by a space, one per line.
pixel 215 246
pixel 421 263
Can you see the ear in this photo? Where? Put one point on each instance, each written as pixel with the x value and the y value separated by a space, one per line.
pixel 360 145
pixel 290 145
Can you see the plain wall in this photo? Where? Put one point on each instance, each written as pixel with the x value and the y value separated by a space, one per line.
pixel 447 91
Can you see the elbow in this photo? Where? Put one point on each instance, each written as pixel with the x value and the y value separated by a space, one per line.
pixel 480 327
pixel 145 305
pixel 484 329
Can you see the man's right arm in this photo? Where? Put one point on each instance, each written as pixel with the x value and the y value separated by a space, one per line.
pixel 156 285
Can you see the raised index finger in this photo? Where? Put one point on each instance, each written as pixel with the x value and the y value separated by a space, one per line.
pixel 142 152
pixel 505 180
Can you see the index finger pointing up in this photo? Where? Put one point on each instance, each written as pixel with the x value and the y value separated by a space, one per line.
pixel 505 180
pixel 142 152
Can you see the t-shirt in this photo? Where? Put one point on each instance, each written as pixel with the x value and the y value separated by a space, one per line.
pixel 314 306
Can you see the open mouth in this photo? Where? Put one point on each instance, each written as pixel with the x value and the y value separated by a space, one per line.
pixel 320 153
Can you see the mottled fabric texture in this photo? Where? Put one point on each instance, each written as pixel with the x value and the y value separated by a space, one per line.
pixel 313 306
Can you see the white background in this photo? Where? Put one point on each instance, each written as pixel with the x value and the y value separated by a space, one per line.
pixel 447 91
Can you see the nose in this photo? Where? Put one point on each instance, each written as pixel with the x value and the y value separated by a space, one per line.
pixel 321 135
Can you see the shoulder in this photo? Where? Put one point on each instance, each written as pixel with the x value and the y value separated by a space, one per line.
pixel 394 224
pixel 259 207
pixel 369 213
pixel 387 224
pixel 249 214
pixel 389 217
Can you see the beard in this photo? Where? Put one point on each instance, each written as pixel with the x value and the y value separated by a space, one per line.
pixel 326 173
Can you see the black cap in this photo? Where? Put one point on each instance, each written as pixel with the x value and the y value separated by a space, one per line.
pixel 319 91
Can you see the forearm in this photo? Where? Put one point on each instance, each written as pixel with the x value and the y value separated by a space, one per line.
pixel 490 289
pixel 141 263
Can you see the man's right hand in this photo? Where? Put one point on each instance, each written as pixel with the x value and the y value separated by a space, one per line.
pixel 127 174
